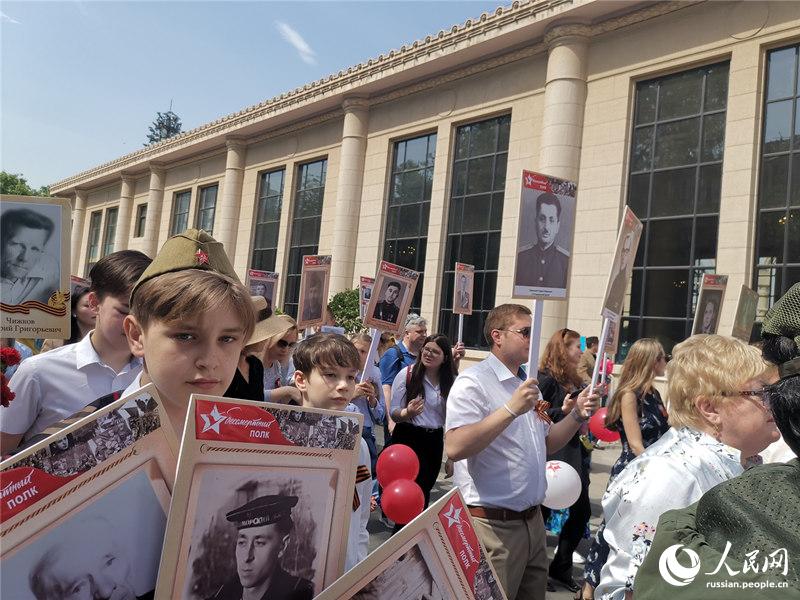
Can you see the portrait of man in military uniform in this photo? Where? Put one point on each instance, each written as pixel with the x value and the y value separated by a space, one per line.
pixel 545 264
pixel 616 295
pixel 387 309
pixel 264 526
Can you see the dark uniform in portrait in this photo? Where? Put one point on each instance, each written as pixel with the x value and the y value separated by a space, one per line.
pixel 386 311
pixel 542 268
pixel 271 517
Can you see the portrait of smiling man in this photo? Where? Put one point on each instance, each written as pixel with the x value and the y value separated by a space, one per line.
pixel 27 272
pixel 264 528
pixel 545 264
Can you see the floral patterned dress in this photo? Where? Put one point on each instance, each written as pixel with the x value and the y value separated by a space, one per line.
pixel 672 473
pixel 653 424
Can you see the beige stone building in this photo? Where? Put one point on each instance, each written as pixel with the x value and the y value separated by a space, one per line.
pixel 687 111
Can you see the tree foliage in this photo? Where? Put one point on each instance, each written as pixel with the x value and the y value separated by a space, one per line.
pixel 165 126
pixel 17 185
pixel 344 307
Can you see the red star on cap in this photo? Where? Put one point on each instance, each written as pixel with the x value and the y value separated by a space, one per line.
pixel 202 257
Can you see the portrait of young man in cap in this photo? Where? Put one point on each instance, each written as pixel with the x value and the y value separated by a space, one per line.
pixel 264 527
pixel 387 309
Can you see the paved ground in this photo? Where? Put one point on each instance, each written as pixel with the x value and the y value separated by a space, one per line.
pixel 602 460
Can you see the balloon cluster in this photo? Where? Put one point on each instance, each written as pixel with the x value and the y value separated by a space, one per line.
pixel 402 499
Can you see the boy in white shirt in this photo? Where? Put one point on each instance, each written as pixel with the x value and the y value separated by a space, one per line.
pixel 56 384
pixel 326 367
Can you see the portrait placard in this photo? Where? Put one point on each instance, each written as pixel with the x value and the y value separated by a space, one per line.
pixel 438 555
pixel 612 339
pixel 263 497
pixel 544 240
pixel 264 284
pixel 314 280
pixel 462 290
pixel 745 314
pixel 86 508
pixel 34 267
pixel 364 294
pixel 630 232
pixel 709 303
pixel 391 297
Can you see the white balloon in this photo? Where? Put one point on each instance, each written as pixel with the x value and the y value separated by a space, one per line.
pixel 563 485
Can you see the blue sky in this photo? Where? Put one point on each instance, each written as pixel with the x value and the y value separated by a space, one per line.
pixel 82 81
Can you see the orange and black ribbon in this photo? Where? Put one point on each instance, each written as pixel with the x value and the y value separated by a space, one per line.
pixel 362 474
pixel 541 410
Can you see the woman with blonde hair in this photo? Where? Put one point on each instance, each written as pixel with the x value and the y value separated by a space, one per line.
pixel 279 342
pixel 715 386
pixel 638 414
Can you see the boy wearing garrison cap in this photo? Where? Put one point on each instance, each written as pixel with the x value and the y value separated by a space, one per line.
pixel 189 319
pixel 326 367
pixel 264 528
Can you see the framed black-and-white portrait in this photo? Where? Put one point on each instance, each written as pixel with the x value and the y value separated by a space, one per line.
pixel 437 556
pixel 264 284
pixel 462 291
pixel 264 494
pixel 391 297
pixel 364 294
pixel 314 281
pixel 545 235
pixel 630 232
pixel 709 304
pixel 745 314
pixel 34 267
pixel 86 508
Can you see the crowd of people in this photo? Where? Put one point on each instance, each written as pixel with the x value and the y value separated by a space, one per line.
pixel 189 326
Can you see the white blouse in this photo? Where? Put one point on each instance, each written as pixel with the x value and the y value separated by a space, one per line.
pixel 672 473
pixel 433 414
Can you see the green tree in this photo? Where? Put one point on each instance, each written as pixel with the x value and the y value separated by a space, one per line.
pixel 344 307
pixel 165 126
pixel 17 185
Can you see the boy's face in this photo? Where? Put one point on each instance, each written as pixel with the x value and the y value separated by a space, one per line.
pixel 185 358
pixel 328 387
pixel 111 312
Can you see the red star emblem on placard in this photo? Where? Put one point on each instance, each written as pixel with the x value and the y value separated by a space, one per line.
pixel 202 257
pixel 553 467
pixel 529 180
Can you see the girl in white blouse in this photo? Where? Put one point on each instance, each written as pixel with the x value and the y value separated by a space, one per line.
pixel 419 396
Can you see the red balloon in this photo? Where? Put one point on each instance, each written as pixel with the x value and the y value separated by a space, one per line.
pixel 397 461
pixel 597 425
pixel 402 500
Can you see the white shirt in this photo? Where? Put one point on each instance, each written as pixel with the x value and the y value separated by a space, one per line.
pixel 54 385
pixel 671 473
pixel 358 537
pixel 509 472
pixel 277 376
pixel 433 415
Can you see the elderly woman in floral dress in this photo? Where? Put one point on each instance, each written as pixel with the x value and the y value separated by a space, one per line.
pixel 715 385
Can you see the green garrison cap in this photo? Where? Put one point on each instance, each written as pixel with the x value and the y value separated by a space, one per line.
pixel 192 249
pixel 265 510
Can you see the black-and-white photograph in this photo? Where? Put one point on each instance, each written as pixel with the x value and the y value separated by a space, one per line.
pixel 392 294
pixel 544 243
pixel 258 532
pixel 408 578
pixel 627 243
pixel 313 298
pixel 462 293
pixel 263 283
pixel 709 306
pixel 30 252
pixel 110 548
pixel 317 430
pixel 745 314
pixel 364 294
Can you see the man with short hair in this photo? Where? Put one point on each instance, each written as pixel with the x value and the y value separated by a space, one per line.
pixel 499 434
pixel 387 309
pixel 545 264
pixel 403 354
pixel 264 525
pixel 26 272
pixel 56 384
pixel 463 294
pixel 588 358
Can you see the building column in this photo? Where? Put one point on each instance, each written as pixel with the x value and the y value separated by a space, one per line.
pixel 152 220
pixel 78 218
pixel 123 230
pixel 226 220
pixel 348 192
pixel 562 128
